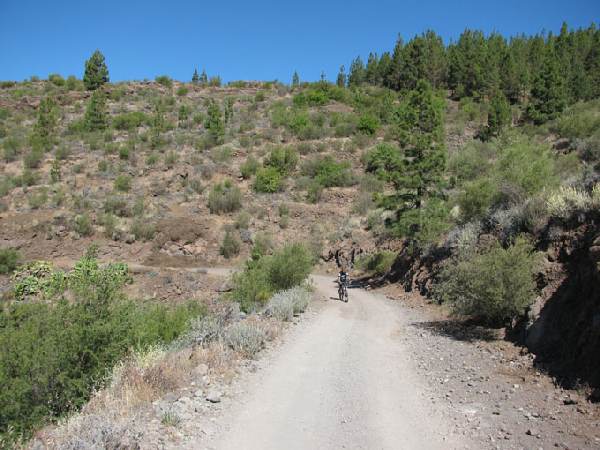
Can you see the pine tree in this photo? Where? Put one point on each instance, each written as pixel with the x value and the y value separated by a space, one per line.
pixel 195 77
pixel 420 174
pixel 214 123
pixel 47 118
pixel 371 70
pixel 96 72
pixel 436 62
pixel 548 94
pixel 42 138
pixel 341 77
pixel 592 67
pixel 96 116
pixel 357 72
pixel 392 80
pixel 229 101
pixel 295 80
pixel 499 115
pixel 203 78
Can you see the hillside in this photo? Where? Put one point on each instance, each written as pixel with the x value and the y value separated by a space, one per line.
pixel 156 236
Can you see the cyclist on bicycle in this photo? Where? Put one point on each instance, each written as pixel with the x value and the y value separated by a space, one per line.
pixel 343 283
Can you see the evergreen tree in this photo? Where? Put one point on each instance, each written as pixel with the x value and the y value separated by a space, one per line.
pixel 499 115
pixel 341 78
pixel 548 94
pixel 195 77
pixel 295 79
pixel 436 62
pixel 392 80
pixel 509 78
pixel 383 68
pixel 214 124
pixel 357 72
pixel 229 101
pixel 96 72
pixel 420 174
pixel 96 116
pixel 47 118
pixel 371 72
pixel 203 78
pixel 592 68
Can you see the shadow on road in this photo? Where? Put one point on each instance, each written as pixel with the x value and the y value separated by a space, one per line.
pixel 461 330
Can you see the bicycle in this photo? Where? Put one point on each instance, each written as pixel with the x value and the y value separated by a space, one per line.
pixel 343 292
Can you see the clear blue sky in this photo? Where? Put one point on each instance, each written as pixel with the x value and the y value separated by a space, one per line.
pixel 251 40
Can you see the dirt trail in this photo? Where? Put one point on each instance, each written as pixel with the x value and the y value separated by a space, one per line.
pixel 342 381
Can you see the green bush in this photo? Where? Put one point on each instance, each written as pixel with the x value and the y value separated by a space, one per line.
pixel 182 91
pixel 54 354
pixel 328 172
pixel 142 229
pixel 268 179
pixel 231 245
pixel 82 224
pixel 122 183
pixel 495 284
pixel 224 198
pixel 379 263
pixel 9 258
pixel 284 159
pixel 368 124
pixel 33 159
pixel 266 275
pixel 164 80
pixel 130 120
pixel 249 167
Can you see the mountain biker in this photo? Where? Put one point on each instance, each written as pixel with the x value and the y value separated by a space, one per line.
pixel 343 283
pixel 343 275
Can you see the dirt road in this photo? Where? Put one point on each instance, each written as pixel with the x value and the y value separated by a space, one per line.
pixel 342 381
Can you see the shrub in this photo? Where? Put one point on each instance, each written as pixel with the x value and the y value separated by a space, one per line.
pixel 38 199
pixel 224 198
pixel 495 284
pixel 266 275
pixel 314 192
pixel 477 198
pixel 249 167
pixel 242 221
pixel 284 159
pixel 164 80
pixel 379 263
pixel 368 124
pixel 9 258
pixel 56 354
pixel 56 79
pixel 567 200
pixel 246 337
pixel 182 91
pixel 328 172
pixel 122 183
pixel 11 149
pixel 142 229
pixel 130 120
pixel 284 304
pixel 33 159
pixel 268 179
pixel 230 246
pixel 82 224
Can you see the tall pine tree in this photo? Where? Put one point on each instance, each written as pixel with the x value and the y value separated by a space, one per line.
pixel 341 77
pixel 96 72
pixel 548 93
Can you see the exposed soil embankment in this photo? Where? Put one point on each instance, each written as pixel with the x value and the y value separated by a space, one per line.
pixel 562 327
